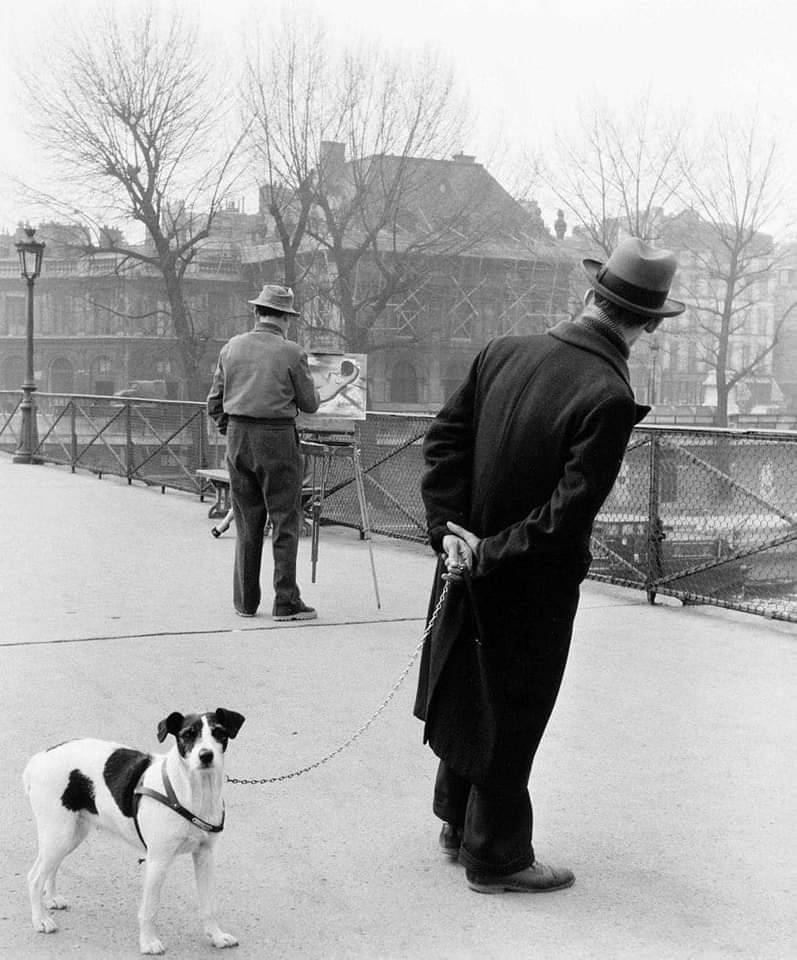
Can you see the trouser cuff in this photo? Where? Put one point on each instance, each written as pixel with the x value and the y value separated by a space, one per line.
pixel 483 869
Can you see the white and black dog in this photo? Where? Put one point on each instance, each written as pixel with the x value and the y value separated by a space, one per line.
pixel 166 804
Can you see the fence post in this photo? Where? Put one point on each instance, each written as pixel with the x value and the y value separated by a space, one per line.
pixel 202 455
pixel 655 530
pixel 130 452
pixel 73 434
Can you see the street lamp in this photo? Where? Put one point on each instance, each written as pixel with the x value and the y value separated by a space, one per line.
pixel 31 253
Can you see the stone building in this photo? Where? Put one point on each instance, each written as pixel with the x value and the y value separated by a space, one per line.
pixel 689 345
pixel 102 322
pixel 675 369
pixel 785 353
pixel 458 262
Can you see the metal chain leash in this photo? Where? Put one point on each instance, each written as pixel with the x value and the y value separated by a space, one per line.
pixel 374 715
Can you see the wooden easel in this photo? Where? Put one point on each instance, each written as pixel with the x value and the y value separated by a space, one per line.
pixel 323 451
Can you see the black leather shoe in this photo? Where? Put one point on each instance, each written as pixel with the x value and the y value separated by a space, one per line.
pixel 450 841
pixel 534 879
pixel 293 611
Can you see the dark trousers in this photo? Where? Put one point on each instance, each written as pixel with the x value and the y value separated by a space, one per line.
pixel 266 467
pixel 496 824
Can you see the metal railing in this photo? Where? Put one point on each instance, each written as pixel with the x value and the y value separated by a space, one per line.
pixel 701 514
pixel 158 442
pixel 707 516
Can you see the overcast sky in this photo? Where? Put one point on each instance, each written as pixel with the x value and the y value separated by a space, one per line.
pixel 528 64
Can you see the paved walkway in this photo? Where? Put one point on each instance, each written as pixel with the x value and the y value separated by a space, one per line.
pixel 666 779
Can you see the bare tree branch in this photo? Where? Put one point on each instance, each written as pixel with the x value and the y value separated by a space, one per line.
pixel 131 113
pixel 347 142
pixel 732 193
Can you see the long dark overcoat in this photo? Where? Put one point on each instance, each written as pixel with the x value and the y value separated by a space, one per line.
pixel 523 454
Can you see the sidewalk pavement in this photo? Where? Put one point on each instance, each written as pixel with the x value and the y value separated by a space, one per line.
pixel 665 780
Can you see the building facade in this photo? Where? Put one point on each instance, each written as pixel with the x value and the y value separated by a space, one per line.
pixel 459 263
pixel 102 322
pixel 675 370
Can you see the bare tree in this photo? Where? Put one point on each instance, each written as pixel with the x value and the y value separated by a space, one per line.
pixel 733 193
pixel 285 98
pixel 615 176
pixel 348 143
pixel 628 177
pixel 129 111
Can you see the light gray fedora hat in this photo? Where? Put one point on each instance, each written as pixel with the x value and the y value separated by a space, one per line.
pixel 637 277
pixel 276 297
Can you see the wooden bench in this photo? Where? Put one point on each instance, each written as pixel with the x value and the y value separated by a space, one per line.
pixel 220 481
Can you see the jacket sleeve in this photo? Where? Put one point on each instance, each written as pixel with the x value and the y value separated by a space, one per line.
pixel 448 452
pixel 307 399
pixel 215 401
pixel 595 454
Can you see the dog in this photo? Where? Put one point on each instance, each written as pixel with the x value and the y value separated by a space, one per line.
pixel 166 804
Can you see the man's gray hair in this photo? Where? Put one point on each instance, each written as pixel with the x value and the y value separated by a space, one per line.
pixel 621 316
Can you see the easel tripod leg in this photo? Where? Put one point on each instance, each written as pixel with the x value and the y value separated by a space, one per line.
pixel 366 525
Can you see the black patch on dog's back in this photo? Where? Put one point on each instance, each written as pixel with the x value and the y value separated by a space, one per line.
pixel 79 793
pixel 122 771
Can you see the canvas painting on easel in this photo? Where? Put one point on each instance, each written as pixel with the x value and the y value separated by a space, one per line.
pixel 341 382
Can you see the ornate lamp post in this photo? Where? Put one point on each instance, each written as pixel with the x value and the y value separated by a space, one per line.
pixel 31 253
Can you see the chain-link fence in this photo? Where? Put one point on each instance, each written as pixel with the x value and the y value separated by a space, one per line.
pixel 708 516
pixel 392 464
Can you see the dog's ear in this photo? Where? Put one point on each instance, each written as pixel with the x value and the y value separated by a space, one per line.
pixel 171 724
pixel 230 720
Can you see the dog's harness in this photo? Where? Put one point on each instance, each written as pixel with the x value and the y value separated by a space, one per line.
pixel 169 799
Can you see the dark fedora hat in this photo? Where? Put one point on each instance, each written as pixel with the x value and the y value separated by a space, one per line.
pixel 277 298
pixel 637 277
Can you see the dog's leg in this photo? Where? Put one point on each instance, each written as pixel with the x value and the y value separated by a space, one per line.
pixel 56 840
pixel 205 883
pixel 52 900
pixel 154 875
pixel 41 920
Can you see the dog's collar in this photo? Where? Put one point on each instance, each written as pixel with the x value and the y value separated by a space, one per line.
pixel 170 800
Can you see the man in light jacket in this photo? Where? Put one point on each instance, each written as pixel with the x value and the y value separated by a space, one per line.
pixel 261 382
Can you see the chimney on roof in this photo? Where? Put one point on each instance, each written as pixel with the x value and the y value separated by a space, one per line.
pixel 463 158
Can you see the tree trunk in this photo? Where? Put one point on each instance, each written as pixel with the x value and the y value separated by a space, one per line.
pixel 721 367
pixel 721 412
pixel 196 383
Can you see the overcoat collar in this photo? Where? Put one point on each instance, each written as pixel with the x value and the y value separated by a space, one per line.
pixel 591 340
pixel 594 342
pixel 263 326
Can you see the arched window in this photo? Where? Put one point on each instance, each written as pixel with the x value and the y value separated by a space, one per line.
pixel 404 383
pixel 61 376
pixel 12 373
pixel 101 377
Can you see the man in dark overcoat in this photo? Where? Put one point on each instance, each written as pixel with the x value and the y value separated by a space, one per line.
pixel 518 463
